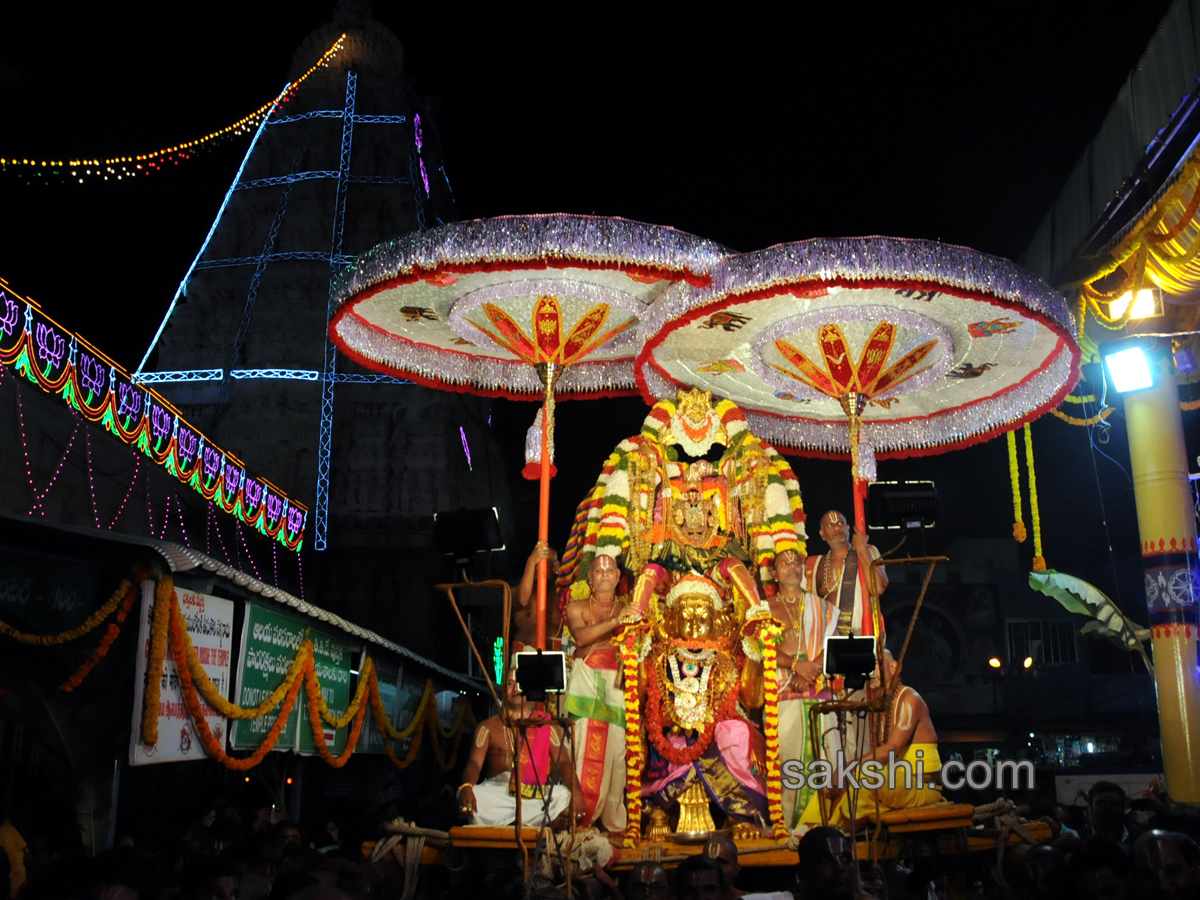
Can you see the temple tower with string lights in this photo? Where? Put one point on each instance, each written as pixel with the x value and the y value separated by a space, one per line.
pixel 349 159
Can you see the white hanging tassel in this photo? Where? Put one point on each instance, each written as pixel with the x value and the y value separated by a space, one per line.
pixel 533 450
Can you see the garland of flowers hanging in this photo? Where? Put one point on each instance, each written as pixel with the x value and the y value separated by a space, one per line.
pixel 1039 561
pixel 110 635
pixel 168 631
pixel 71 634
pixel 191 700
pixel 318 711
pixel 1014 476
pixel 164 599
pixel 1089 420
pixel 771 633
pixel 635 751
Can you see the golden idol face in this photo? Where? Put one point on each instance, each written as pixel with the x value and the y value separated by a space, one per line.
pixel 694 617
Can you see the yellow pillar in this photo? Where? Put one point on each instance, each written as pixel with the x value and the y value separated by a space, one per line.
pixel 1168 531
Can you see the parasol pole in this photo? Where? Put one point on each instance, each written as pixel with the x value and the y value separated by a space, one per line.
pixel 853 403
pixel 549 373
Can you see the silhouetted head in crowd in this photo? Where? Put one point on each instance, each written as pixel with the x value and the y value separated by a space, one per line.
pixel 1166 866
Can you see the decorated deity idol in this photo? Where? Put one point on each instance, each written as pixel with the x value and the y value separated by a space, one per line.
pixel 698 687
pixel 694 493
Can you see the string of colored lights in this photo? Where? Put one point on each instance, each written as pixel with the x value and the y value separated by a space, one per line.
pixel 191 375
pixel 131 165
pixel 35 346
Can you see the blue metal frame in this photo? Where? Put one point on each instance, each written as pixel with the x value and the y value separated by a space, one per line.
pixel 325 437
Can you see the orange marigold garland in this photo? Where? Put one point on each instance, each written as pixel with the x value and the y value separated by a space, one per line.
pixel 635 760
pixel 315 703
pixel 110 635
pixel 164 594
pixel 50 640
pixel 770 634
pixel 191 700
pixel 434 727
pixel 388 731
pixel 356 702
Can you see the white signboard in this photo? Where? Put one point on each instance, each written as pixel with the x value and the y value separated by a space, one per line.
pixel 209 623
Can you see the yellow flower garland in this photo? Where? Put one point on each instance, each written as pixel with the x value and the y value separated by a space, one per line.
pixel 770 633
pixel 50 640
pixel 1039 561
pixel 1014 477
pixel 635 759
pixel 164 595
pixel 1090 420
pixel 302 672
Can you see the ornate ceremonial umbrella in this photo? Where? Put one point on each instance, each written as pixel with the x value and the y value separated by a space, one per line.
pixel 519 307
pixel 895 347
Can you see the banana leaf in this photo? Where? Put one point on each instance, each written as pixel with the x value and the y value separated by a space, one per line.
pixel 1084 599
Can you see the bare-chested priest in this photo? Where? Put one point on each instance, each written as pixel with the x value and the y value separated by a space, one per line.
pixel 499 751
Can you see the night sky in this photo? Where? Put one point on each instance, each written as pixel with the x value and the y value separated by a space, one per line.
pixel 915 120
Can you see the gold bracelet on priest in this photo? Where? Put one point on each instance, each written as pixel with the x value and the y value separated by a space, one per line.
pixel 466 784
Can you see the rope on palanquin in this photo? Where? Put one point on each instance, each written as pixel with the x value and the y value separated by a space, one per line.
pixel 168 632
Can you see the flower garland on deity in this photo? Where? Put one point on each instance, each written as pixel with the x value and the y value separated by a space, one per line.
pixel 751 496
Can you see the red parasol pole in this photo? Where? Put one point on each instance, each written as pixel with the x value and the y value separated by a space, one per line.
pixel 549 373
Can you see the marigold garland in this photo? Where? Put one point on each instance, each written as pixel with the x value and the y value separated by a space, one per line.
pixel 635 756
pixel 315 705
pixel 90 623
pixel 1039 561
pixel 1090 420
pixel 192 700
pixel 770 633
pixel 364 678
pixel 385 726
pixel 164 597
pixel 196 685
pixel 1014 477
pixel 110 635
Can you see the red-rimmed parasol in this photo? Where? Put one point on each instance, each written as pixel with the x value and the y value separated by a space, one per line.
pixel 517 306
pixel 900 347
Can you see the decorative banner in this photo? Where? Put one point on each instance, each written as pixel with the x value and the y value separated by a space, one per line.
pixel 269 642
pixel 210 628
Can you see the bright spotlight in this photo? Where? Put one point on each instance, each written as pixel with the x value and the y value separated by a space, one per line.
pixel 994 662
pixel 1027 662
pixel 1128 368
pixel 1147 305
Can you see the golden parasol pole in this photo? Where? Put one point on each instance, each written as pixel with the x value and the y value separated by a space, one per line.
pixel 853 403
pixel 548 372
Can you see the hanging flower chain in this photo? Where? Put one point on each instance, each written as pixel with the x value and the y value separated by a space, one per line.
pixel 1039 561
pixel 169 628
pixel 164 599
pixel 635 759
pixel 654 723
pixel 90 623
pixel 770 634
pixel 1014 477
pixel 110 635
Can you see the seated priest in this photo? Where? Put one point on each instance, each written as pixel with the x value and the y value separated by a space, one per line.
pixel 502 749
pixel 905 766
